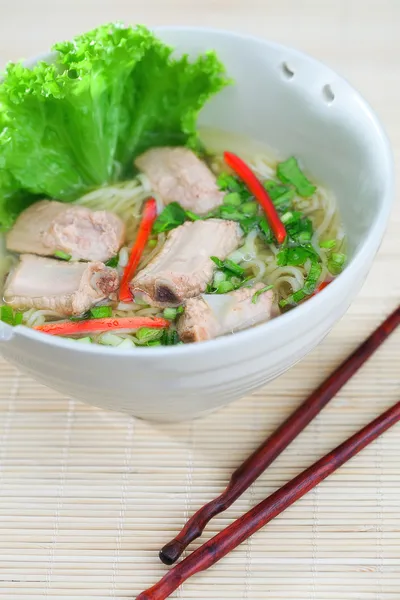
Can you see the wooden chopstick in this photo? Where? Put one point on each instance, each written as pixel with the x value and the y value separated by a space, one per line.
pixel 233 535
pixel 252 468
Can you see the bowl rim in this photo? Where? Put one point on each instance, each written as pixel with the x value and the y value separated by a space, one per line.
pixel 249 336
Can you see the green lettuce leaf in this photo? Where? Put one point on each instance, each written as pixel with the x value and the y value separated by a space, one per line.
pixel 78 122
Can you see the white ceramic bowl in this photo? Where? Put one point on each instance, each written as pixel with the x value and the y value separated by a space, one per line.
pixel 297 106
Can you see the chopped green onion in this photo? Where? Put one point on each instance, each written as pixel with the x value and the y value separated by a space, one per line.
pixel 126 343
pixel 338 258
pixel 101 312
pixel 192 216
pixel 312 278
pixel 170 313
pixel 336 262
pixel 232 199
pixel 290 172
pixel 218 277
pixel 250 209
pixel 172 216
pixel 62 255
pixel 304 237
pixel 7 315
pixel 84 340
pixel 224 287
pixel 152 243
pixel 287 217
pixel 110 339
pixel 18 318
pixel 329 244
pixel 230 213
pixel 229 265
pixel 309 287
pixel 258 293
pixel 113 262
pixel 236 281
pixel 148 334
pixel 226 181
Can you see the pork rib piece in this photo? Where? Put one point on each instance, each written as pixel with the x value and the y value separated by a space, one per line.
pixel 183 267
pixel 178 175
pixel 210 316
pixel 69 288
pixel 49 226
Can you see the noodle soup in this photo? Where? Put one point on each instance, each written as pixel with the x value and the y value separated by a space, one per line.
pixel 285 274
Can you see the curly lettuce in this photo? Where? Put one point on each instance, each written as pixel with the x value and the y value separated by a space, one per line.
pixel 77 123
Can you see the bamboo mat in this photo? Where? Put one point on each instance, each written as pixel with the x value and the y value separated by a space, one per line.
pixel 88 497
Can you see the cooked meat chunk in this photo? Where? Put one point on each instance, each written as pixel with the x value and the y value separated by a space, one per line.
pixel 183 267
pixel 178 175
pixel 65 287
pixel 48 226
pixel 210 316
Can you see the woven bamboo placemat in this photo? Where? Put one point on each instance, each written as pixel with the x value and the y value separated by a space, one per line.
pixel 88 497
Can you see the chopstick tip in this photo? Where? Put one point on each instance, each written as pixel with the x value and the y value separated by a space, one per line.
pixel 171 552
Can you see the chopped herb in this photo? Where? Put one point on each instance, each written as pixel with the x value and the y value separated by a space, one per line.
pixel 300 228
pixel 229 265
pixel 258 293
pixel 148 334
pixel 281 195
pixel 290 172
pixel 152 243
pixel 249 223
pixel 113 262
pixel 62 255
pixel 7 315
pixel 172 216
pixel 296 255
pixel 232 199
pixel 101 312
pixel 329 244
pixel 265 230
pixel 192 216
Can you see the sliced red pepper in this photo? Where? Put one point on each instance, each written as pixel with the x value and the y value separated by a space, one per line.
pixel 145 227
pixel 260 193
pixel 100 325
pixel 321 287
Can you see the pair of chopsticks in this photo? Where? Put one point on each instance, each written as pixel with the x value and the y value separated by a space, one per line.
pixel 233 535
